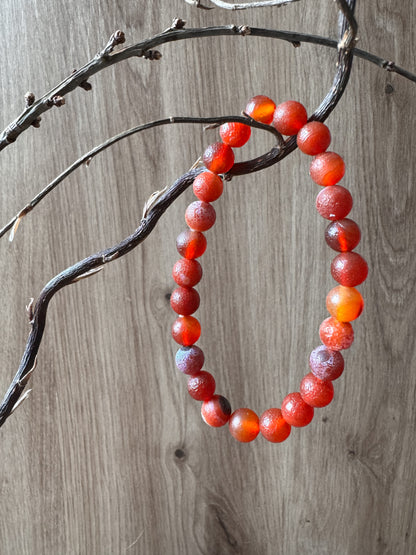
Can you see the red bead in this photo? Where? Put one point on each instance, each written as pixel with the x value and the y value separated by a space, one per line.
pixel 343 235
pixel 218 158
pixel 216 412
pixel 235 134
pixel 316 392
pixel 186 330
pixel 189 360
pixel 201 386
pixel 326 364
pixel 191 244
pixel 185 300
pixel 273 426
pixel 313 138
pixel 295 411
pixel 327 169
pixel 334 202
pixel 344 303
pixel 261 108
pixel 336 335
pixel 349 269
pixel 187 273
pixel 244 425
pixel 208 186
pixel 289 117
pixel 200 216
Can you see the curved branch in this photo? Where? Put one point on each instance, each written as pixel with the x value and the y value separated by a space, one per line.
pixel 86 158
pixel 251 5
pixel 94 263
pixel 31 115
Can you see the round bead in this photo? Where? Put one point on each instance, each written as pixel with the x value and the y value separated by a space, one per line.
pixel 185 300
pixel 289 117
pixel 316 392
pixel 186 330
pixel 336 335
pixel 216 412
pixel 327 169
pixel 235 134
pixel 187 273
pixel 344 303
pixel 273 426
pixel 343 235
pixel 261 108
pixel 218 158
pixel 313 138
pixel 208 186
pixel 189 360
pixel 201 386
pixel 244 425
pixel 200 216
pixel 334 202
pixel 326 364
pixel 349 269
pixel 295 411
pixel 191 244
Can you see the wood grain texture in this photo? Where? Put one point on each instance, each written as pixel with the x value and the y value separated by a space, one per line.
pixel 109 455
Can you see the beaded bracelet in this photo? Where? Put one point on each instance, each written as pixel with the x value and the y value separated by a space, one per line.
pixel 344 302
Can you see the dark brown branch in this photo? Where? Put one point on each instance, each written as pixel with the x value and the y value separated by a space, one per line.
pixel 86 158
pixel 30 116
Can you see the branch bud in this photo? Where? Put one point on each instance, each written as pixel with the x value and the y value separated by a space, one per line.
pixel 152 55
pixel 29 99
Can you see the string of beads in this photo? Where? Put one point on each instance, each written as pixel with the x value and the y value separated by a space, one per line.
pixel 344 302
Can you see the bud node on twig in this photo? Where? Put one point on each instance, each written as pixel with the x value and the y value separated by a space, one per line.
pixel 56 100
pixel 29 99
pixel 152 55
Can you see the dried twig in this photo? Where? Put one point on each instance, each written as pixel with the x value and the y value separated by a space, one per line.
pixel 251 5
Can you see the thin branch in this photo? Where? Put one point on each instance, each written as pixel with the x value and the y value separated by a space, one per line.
pixel 86 158
pixel 31 115
pixel 163 201
pixel 251 5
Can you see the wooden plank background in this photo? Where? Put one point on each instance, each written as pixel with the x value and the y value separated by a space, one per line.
pixel 109 455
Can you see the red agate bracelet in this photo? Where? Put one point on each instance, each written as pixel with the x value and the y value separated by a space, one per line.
pixel 344 302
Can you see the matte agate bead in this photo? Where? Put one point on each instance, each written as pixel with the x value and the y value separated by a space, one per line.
pixel 334 202
pixel 216 412
pixel 186 330
pixel 336 335
pixel 187 273
pixel 344 303
pixel 326 364
pixel 273 426
pixel 191 244
pixel 189 360
pixel 316 392
pixel 327 169
pixel 185 300
pixel 295 411
pixel 343 235
pixel 244 425
pixel 200 215
pixel 208 186
pixel 313 138
pixel 349 269
pixel 218 158
pixel 201 386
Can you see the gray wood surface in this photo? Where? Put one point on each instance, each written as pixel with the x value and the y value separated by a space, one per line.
pixel 109 455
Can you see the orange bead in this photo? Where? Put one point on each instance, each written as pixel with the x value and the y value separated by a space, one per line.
pixel 200 216
pixel 316 392
pixel 327 169
pixel 295 411
pixel 235 134
pixel 244 425
pixel 273 426
pixel 216 411
pixel 208 186
pixel 201 386
pixel 191 244
pixel 186 330
pixel 289 117
pixel 187 273
pixel 185 300
pixel 218 158
pixel 344 303
pixel 313 138
pixel 336 335
pixel 261 108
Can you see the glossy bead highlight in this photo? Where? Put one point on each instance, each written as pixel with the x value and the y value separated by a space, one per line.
pixel 191 244
pixel 186 330
pixel 244 425
pixel 344 303
pixel 343 235
pixel 261 108
pixel 218 158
